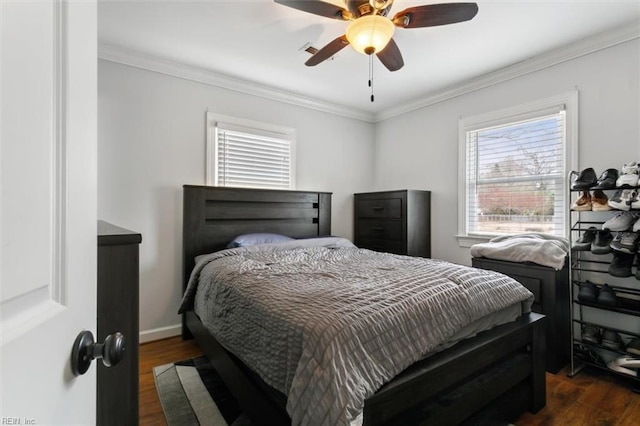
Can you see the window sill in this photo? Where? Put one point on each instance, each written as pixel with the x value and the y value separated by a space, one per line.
pixel 469 240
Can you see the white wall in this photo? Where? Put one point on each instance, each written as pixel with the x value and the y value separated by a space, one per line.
pixel 419 149
pixel 152 141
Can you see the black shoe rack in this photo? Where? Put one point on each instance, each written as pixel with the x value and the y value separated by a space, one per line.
pixel 624 318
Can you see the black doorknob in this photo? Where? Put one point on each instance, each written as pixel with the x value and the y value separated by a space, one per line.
pixel 86 350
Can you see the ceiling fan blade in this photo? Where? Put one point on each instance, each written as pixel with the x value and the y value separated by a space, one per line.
pixel 328 51
pixel 318 8
pixel 432 15
pixel 391 57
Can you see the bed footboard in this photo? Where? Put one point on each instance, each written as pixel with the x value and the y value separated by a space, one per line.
pixel 489 379
pixel 459 384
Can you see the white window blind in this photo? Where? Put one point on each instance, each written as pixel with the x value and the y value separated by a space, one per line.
pixel 251 156
pixel 513 169
pixel 516 176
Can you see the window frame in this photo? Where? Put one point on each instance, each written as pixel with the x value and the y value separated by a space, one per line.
pixel 567 101
pixel 247 126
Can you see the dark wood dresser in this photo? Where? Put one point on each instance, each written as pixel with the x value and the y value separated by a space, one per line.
pixel 118 279
pixel 551 290
pixel 394 221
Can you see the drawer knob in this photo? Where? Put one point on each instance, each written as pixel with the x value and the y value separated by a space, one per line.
pixel 377 208
pixel 378 228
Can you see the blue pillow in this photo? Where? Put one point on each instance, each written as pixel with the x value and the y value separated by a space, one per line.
pixel 259 238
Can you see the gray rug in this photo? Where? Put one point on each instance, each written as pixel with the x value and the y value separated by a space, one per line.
pixel 192 393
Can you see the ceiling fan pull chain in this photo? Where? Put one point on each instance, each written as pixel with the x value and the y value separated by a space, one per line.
pixel 371 75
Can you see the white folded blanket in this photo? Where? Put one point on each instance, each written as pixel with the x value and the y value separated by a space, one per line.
pixel 545 250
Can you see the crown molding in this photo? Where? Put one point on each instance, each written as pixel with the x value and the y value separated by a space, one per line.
pixel 177 69
pixel 148 62
pixel 571 51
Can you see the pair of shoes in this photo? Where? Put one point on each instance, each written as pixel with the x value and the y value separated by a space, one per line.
pixel 633 347
pixel 588 292
pixel 585 180
pixel 621 221
pixel 583 203
pixel 624 199
pixel 602 242
pixel 607 179
pixel 612 340
pixel 597 202
pixel 629 175
pixel 586 239
pixel 621 264
pixel 591 334
pixel 586 354
pixel 607 297
pixel 607 338
pixel 598 241
pixel 625 242
pixel 591 293
pixel 625 365
pixel 634 203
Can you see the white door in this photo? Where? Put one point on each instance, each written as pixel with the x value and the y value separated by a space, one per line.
pixel 48 213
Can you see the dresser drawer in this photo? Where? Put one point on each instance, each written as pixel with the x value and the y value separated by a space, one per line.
pixel 388 246
pixel 386 207
pixel 380 229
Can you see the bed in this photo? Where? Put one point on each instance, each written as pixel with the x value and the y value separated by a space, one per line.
pixel 487 379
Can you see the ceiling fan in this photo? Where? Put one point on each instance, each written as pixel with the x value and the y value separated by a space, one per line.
pixel 370 31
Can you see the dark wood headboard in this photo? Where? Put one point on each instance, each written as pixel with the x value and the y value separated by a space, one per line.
pixel 213 216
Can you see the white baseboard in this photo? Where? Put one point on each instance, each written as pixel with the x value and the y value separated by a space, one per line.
pixel 160 333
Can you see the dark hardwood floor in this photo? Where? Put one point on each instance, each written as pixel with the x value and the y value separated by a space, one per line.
pixel 151 355
pixel 590 398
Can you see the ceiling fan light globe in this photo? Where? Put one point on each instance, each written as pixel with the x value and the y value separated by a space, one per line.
pixel 370 34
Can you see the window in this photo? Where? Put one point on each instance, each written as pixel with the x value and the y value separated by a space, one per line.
pixel 514 167
pixel 244 153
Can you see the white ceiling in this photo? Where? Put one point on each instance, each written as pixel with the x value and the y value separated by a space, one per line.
pixel 260 41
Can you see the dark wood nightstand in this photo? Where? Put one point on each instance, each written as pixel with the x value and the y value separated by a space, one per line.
pixel 551 290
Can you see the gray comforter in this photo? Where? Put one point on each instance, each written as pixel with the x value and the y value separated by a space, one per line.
pixel 337 322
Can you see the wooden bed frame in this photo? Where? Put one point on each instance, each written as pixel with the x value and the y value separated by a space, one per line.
pixel 488 379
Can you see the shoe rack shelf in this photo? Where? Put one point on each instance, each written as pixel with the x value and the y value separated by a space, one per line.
pixel 623 319
pixel 617 330
pixel 598 363
pixel 626 305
